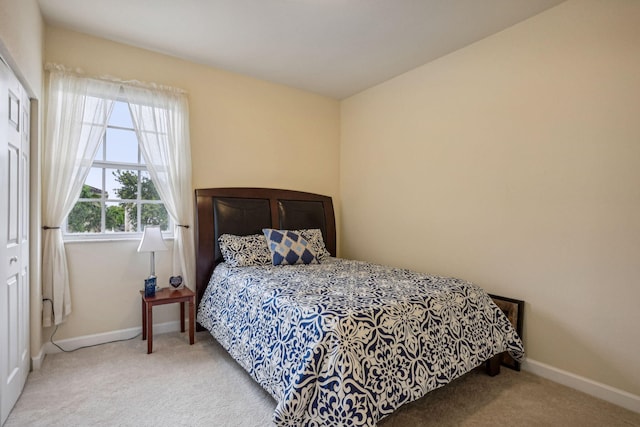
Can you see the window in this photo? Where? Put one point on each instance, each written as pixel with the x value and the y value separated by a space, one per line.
pixel 118 195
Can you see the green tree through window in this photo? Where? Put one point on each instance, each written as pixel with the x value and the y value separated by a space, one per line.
pixel 85 216
pixel 152 213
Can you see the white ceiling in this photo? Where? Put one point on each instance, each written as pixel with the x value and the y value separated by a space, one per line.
pixel 332 47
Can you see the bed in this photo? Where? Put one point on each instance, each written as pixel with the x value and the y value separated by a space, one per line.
pixel 334 341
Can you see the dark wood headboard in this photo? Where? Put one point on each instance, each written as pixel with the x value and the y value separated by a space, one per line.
pixel 245 211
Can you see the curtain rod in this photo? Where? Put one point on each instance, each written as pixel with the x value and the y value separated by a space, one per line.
pixel 79 72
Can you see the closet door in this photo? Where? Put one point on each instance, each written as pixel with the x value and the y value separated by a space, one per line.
pixel 14 239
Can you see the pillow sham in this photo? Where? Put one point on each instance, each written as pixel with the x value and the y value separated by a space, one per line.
pixel 288 247
pixel 244 251
pixel 314 237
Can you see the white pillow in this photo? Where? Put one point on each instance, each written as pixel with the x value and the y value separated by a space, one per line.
pixel 244 251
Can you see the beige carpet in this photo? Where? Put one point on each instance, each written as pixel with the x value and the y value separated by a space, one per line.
pixel 181 385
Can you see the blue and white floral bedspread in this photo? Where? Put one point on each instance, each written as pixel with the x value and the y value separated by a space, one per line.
pixel 346 342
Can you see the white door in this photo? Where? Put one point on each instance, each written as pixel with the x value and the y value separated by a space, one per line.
pixel 14 239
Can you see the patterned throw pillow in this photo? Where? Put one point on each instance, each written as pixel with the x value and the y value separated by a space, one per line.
pixel 314 237
pixel 245 251
pixel 288 247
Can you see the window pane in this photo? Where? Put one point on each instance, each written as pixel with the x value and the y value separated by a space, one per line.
pixel 122 146
pixel 122 184
pixel 155 214
pixel 148 189
pixel 122 216
pixel 93 184
pixel 115 218
pixel 120 116
pixel 84 218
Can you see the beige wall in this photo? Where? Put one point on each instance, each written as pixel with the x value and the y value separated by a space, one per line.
pixel 21 30
pixel 244 132
pixel 515 163
pixel 21 45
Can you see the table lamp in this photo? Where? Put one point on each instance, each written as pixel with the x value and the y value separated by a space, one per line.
pixel 152 242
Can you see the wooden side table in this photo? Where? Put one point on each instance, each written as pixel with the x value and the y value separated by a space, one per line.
pixel 167 296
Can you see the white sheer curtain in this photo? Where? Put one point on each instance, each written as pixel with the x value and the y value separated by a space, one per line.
pixel 77 112
pixel 161 120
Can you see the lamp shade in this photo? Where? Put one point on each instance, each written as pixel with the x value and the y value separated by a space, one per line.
pixel 152 240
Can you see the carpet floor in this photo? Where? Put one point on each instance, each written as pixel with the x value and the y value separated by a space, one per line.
pixel 118 384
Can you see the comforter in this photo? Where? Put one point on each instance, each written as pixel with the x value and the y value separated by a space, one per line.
pixel 347 342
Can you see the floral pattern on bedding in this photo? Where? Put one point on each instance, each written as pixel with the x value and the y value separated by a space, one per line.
pixel 347 342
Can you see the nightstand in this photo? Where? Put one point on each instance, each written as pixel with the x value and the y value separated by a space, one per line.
pixel 167 296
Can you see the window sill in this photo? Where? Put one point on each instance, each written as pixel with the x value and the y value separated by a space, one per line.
pixel 105 239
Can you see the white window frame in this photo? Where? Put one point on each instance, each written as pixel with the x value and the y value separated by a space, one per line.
pixel 104 165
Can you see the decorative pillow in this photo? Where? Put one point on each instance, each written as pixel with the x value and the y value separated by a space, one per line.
pixel 244 251
pixel 314 237
pixel 288 247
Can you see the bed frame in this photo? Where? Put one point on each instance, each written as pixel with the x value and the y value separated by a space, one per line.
pixel 245 211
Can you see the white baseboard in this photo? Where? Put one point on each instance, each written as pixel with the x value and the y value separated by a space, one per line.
pixel 585 385
pixel 36 361
pixel 105 337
